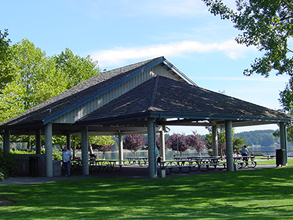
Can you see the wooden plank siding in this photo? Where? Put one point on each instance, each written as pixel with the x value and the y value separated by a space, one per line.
pixel 107 97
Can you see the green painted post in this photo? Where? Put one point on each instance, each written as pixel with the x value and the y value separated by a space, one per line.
pixel 215 141
pixel 48 147
pixel 6 141
pixel 151 148
pixel 229 145
pixel 84 150
pixel 283 142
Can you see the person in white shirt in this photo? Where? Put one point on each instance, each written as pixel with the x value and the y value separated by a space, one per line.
pixel 66 157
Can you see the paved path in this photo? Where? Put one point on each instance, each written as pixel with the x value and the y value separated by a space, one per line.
pixel 125 172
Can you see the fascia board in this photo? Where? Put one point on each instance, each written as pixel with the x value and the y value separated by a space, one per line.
pixel 216 117
pixel 178 72
pixel 160 115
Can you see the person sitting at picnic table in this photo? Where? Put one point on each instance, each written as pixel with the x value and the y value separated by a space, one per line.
pixel 66 157
pixel 245 152
pixel 237 155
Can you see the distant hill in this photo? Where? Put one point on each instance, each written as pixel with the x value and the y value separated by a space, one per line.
pixel 258 137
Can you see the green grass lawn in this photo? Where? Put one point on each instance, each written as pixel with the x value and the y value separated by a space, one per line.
pixel 272 161
pixel 261 194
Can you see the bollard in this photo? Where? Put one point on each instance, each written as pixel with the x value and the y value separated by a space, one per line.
pixel 163 173
pixel 235 167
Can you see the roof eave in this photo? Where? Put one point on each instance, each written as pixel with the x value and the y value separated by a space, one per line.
pixel 26 125
pixel 160 115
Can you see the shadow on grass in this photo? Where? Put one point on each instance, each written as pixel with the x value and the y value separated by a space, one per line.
pixel 262 193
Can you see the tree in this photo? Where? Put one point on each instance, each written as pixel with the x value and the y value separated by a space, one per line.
pixel 286 100
pixel 266 24
pixel 133 143
pixel 286 97
pixel 237 141
pixel 38 77
pixel 6 65
pixel 177 142
pixel 7 164
pixel 158 141
pixel 101 143
pixel 259 137
pixel 102 148
pixel 221 140
pixel 195 141
pixel 76 68
pixel 36 80
pixel 102 140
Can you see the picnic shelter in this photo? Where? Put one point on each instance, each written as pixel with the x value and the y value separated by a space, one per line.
pixel 144 97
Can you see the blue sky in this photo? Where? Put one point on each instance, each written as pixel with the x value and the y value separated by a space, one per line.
pixel 122 32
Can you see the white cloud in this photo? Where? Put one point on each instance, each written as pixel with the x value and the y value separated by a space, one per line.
pixel 118 56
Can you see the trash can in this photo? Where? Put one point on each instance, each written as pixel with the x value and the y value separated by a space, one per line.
pixel 33 166
pixel 280 157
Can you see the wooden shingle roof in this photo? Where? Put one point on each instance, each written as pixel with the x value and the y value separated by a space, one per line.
pixel 162 97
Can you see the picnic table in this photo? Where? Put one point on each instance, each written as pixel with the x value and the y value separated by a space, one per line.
pixel 187 164
pixel 96 164
pixel 177 166
pixel 208 162
pixel 76 164
pixel 104 165
pixel 244 161
pixel 141 161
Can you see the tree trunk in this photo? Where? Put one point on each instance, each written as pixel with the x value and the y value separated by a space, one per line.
pixel 29 144
pixel 74 149
pixel 91 149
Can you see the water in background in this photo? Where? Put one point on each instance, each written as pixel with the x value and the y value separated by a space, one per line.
pixel 114 155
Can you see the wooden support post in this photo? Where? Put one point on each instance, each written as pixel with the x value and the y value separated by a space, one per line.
pixel 162 143
pixel 229 145
pixel 120 139
pixel 38 141
pixel 68 141
pixel 215 140
pixel 283 142
pixel 151 148
pixel 6 141
pixel 48 147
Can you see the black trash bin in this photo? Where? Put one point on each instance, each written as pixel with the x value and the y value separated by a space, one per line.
pixel 33 166
pixel 280 157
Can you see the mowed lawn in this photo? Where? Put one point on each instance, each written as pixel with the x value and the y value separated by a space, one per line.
pixel 257 194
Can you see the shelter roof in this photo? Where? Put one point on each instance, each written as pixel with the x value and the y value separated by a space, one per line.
pixel 163 97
